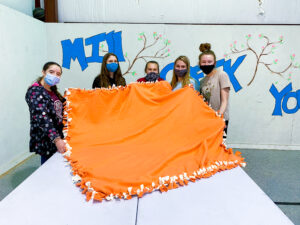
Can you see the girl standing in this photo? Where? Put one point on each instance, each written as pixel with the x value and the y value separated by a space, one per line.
pixel 46 107
pixel 152 72
pixel 215 86
pixel 181 73
pixel 110 73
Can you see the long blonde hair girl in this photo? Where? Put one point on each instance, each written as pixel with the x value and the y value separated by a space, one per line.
pixel 186 78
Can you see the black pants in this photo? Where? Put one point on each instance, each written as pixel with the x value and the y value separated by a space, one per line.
pixel 225 129
pixel 44 158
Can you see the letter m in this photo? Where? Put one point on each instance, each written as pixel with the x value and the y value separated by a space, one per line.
pixel 73 51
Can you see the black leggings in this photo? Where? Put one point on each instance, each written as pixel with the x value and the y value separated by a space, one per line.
pixel 225 129
pixel 44 158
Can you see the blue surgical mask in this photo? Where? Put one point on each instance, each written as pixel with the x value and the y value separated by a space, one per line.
pixel 180 73
pixel 112 67
pixel 51 80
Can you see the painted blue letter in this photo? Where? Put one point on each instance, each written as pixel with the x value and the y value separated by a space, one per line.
pixel 165 70
pixel 230 70
pixel 285 101
pixel 73 51
pixel 278 98
pixel 298 98
pixel 114 42
pixel 94 41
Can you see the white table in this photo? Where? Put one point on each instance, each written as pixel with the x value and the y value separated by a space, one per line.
pixel 48 196
pixel 229 197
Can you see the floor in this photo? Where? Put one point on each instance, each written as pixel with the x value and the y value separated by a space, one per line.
pixel 278 175
pixel 276 172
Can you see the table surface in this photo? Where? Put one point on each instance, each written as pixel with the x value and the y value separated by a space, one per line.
pixel 48 196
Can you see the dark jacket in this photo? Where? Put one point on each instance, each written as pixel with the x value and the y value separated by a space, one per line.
pixel 96 83
pixel 44 123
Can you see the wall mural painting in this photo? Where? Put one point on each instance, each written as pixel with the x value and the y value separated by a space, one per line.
pixel 159 49
pixel 263 58
pixel 158 45
pixel 74 50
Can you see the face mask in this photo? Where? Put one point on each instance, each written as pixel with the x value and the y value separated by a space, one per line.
pixel 207 68
pixel 180 73
pixel 152 76
pixel 51 80
pixel 112 67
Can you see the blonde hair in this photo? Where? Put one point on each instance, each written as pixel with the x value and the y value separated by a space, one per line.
pixel 186 78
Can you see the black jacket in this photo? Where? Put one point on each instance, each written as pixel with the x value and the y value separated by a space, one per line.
pixel 96 83
pixel 44 123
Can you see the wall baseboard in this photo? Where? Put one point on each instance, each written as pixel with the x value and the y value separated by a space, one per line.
pixel 264 146
pixel 10 165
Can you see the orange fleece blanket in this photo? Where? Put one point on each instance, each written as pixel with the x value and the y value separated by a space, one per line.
pixel 133 140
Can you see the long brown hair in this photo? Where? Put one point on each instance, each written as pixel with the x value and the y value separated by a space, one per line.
pixel 53 88
pixel 186 78
pixel 104 74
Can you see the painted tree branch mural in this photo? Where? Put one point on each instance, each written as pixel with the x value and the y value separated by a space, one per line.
pixel 160 53
pixel 267 49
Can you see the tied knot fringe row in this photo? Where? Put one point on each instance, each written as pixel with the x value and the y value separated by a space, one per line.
pixel 163 184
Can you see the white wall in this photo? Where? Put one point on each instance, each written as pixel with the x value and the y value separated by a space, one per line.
pixel 252 124
pixel 26 44
pixel 23 53
pixel 177 11
pixel 23 6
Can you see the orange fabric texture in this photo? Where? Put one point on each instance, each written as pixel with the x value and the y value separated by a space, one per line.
pixel 132 140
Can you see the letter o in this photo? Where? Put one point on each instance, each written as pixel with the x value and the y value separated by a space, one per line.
pixel 285 101
pixel 298 98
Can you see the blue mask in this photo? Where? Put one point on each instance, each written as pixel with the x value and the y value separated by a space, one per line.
pixel 51 80
pixel 112 67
